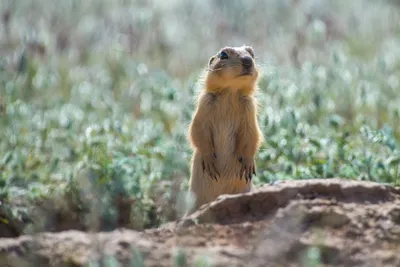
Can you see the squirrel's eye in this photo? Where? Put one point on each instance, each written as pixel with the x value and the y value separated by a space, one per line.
pixel 223 55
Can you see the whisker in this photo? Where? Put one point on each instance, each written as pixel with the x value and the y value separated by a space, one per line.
pixel 224 66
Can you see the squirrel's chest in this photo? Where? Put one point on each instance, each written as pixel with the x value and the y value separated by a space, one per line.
pixel 229 108
pixel 228 114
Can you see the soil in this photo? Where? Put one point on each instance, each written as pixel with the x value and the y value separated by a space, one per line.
pixel 319 222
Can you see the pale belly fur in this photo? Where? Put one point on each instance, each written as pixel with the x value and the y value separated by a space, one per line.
pixel 227 163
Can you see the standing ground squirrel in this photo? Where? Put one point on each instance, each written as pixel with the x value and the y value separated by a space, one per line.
pixel 224 133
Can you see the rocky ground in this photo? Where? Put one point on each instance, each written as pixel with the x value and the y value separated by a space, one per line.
pixel 330 222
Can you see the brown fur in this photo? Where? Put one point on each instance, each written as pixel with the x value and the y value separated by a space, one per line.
pixel 224 133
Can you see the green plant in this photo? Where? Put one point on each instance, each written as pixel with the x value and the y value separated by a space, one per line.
pixel 96 97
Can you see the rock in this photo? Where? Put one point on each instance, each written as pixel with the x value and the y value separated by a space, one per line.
pixel 333 222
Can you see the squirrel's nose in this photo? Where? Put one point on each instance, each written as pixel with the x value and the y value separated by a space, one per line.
pixel 247 61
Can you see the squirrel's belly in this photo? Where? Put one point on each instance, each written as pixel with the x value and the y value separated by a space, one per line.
pixel 227 161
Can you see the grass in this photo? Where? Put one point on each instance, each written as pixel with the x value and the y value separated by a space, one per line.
pixel 96 97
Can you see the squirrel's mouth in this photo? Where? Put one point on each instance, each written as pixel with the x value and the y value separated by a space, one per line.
pixel 246 73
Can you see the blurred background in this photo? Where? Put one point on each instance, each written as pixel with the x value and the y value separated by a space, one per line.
pixel 96 97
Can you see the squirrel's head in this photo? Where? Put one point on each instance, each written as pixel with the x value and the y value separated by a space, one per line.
pixel 232 68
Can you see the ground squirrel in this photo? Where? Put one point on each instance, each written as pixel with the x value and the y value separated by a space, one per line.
pixel 224 133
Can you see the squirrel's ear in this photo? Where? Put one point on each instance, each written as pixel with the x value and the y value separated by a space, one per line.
pixel 211 60
pixel 250 50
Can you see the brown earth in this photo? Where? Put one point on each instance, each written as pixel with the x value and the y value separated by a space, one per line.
pixel 330 222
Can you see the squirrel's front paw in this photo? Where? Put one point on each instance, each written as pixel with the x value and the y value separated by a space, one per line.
pixel 209 165
pixel 248 168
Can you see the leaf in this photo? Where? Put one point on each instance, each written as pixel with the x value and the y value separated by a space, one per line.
pixel 336 121
pixel 7 158
pixel 315 142
pixel 110 261
pixel 394 161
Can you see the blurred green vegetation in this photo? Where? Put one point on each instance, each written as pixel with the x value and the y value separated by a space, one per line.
pixel 96 97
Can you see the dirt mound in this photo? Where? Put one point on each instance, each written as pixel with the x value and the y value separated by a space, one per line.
pixel 295 223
